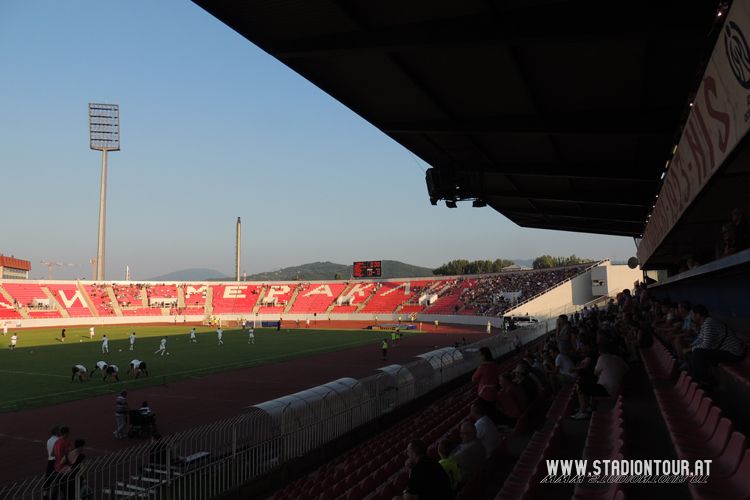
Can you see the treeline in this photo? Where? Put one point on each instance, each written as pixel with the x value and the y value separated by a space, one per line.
pixel 547 261
pixel 463 266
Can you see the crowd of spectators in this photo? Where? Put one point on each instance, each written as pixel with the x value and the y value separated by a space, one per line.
pixel 493 295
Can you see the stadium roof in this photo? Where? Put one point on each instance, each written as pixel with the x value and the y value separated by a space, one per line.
pixel 558 114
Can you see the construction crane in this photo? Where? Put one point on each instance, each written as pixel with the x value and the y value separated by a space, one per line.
pixel 50 265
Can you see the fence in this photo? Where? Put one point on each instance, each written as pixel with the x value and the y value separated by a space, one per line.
pixel 213 459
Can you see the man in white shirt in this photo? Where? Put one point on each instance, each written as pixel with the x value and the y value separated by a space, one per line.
pixel 54 436
pixel 91 333
pixel 251 335
pixel 162 347
pixel 79 371
pixel 564 366
pixel 486 431
pixel 220 335
pixel 137 367
pixel 192 336
pixel 105 345
pixel 101 366
pixel 132 340
pixel 5 329
pixel 13 341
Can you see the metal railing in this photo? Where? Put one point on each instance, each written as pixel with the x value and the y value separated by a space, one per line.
pixel 209 460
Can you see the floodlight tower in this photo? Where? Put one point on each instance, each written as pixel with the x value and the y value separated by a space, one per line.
pixel 104 134
pixel 237 255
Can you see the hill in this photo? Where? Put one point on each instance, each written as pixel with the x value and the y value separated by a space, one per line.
pixel 194 274
pixel 328 271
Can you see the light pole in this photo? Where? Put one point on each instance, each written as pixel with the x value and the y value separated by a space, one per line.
pixel 104 135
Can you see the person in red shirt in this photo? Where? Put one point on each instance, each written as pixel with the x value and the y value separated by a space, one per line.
pixel 61 449
pixel 486 376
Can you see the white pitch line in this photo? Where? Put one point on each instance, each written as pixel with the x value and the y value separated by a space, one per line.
pixel 34 373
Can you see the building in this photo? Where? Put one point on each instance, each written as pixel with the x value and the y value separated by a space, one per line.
pixel 12 268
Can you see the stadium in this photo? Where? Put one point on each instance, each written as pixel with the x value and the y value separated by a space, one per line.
pixel 597 380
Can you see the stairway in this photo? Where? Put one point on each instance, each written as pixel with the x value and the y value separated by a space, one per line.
pixel 180 297
pixel 113 300
pixel 87 299
pixel 260 299
pixel 64 312
pixel 209 309
pixel 342 294
pixel 22 311
pixel 364 302
pixel 291 301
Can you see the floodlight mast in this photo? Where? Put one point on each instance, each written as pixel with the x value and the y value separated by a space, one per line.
pixel 104 136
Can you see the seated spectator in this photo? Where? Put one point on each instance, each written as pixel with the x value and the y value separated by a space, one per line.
pixel 470 454
pixel 530 384
pixel 427 478
pixel 716 343
pixel 449 464
pixel 609 370
pixel 486 375
pixel 145 409
pixel 511 401
pixel 486 431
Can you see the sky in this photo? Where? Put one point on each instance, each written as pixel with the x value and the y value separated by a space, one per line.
pixel 212 128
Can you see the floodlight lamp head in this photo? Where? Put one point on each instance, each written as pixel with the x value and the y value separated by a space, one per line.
pixel 479 203
pixel 104 127
pixel 450 203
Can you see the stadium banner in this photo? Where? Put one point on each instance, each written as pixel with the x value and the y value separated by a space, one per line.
pixel 718 120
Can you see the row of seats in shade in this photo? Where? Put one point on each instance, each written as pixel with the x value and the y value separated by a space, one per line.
pixel 529 469
pixel 604 441
pixel 375 469
pixel 699 429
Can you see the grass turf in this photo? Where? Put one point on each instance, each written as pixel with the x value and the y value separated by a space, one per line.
pixel 38 372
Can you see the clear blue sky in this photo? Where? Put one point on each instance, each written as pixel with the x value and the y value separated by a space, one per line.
pixel 212 129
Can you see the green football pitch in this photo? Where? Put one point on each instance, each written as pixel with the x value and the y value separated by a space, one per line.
pixel 38 372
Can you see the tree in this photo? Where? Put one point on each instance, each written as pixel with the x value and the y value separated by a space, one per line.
pixel 547 261
pixel 337 276
pixel 463 266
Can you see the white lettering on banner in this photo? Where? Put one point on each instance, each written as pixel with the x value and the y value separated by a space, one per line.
pixel 359 289
pixel 320 290
pixel 276 290
pixel 234 292
pixel 192 290
pixel 406 286
pixel 70 301
pixel 717 122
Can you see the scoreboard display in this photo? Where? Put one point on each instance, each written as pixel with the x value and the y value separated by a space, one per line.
pixel 367 269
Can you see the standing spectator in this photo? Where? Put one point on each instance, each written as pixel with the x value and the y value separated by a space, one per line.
pixel 54 436
pixel 485 376
pixel 609 370
pixel 716 343
pixel 61 448
pixel 489 328
pixel 427 478
pixel 121 414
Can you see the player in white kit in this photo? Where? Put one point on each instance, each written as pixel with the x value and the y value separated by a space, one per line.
pixel 91 333
pixel 251 336
pixel 162 347
pixel 79 371
pixel 132 340
pixel 112 371
pixel 220 335
pixel 101 366
pixel 192 336
pixel 105 345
